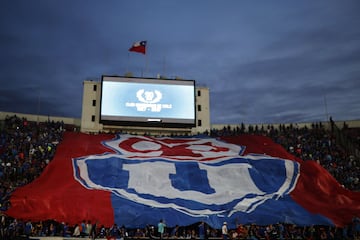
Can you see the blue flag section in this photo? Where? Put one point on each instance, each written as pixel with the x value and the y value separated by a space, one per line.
pixel 254 189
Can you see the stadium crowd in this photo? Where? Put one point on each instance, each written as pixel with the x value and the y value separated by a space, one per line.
pixel 27 147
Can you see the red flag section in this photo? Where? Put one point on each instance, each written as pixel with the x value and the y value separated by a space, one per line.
pixel 320 193
pixel 56 195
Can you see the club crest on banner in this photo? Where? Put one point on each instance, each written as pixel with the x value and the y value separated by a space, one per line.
pixel 195 176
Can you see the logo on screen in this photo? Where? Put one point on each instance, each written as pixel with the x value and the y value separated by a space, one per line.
pixel 148 96
pixel 148 101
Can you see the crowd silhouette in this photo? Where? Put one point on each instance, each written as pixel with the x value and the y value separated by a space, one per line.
pixel 27 147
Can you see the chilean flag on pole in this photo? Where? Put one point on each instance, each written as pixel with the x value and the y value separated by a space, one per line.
pixel 139 47
pixel 137 180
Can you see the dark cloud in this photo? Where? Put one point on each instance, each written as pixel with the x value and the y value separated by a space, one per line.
pixel 263 62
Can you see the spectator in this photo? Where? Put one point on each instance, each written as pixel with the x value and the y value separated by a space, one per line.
pixel 161 229
pixel 224 231
pixel 28 228
pixel 77 232
pixel 202 230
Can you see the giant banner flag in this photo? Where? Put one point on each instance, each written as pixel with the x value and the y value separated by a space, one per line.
pixel 138 180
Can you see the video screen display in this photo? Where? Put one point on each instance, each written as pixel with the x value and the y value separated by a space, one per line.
pixel 147 102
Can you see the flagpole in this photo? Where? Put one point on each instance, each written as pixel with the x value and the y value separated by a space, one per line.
pixel 146 64
pixel 326 109
pixel 146 60
pixel 164 65
pixel 127 64
pixel 38 106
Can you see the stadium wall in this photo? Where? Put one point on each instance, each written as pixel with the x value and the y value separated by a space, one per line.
pixel 339 124
pixel 75 122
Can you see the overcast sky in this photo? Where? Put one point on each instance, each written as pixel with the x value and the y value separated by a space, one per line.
pixel 264 61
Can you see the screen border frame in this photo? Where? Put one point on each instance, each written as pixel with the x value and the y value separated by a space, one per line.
pixel 142 121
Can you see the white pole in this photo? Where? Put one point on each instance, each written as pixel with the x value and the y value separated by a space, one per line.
pixel 326 110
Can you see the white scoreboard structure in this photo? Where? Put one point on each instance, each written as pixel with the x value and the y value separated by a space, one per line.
pixel 145 105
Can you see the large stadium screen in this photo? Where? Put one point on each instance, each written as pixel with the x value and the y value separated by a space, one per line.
pixel 147 102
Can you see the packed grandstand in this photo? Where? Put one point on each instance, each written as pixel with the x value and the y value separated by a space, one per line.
pixel 27 148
